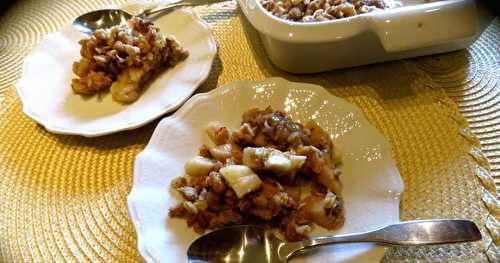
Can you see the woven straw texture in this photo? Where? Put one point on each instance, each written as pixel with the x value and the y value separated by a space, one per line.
pixel 63 198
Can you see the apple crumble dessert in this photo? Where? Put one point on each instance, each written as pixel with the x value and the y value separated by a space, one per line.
pixel 123 58
pixel 271 171
pixel 321 10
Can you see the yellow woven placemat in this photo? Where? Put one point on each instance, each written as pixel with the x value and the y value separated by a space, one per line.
pixel 63 198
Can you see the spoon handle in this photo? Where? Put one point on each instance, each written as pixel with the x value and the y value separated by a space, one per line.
pixel 409 233
pixel 157 9
pixel 174 4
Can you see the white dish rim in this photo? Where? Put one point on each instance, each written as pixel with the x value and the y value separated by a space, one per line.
pixel 321 31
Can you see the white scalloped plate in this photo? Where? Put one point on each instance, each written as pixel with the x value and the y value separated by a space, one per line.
pixel 45 85
pixel 372 184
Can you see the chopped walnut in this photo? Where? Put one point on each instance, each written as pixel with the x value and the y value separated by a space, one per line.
pixel 216 182
pixel 178 211
pixel 178 182
pixel 189 193
pixel 283 199
pixel 204 151
pixel 218 133
pixel 244 134
pixel 322 210
pixel 292 229
pixel 229 216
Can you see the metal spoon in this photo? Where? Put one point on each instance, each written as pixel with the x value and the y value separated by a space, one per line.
pixel 255 244
pixel 106 18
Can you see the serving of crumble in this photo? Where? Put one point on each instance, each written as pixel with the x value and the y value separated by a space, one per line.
pixel 123 58
pixel 271 170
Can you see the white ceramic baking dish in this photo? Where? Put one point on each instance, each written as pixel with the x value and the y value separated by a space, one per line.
pixel 417 28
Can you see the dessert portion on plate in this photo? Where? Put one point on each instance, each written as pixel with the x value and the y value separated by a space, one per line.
pixel 322 10
pixel 271 170
pixel 123 58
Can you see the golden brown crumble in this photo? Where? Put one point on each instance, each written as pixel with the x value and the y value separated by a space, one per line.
pixel 256 174
pixel 321 10
pixel 123 58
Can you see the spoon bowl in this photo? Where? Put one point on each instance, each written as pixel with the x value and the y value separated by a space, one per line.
pixel 105 18
pixel 236 244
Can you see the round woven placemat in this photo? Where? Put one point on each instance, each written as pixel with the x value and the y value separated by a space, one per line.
pixel 63 198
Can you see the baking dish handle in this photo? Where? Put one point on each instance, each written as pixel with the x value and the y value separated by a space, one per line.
pixel 424 25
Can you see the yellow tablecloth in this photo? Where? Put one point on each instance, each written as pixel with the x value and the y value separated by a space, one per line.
pixel 63 198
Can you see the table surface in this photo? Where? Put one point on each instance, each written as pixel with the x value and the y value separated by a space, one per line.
pixel 63 198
